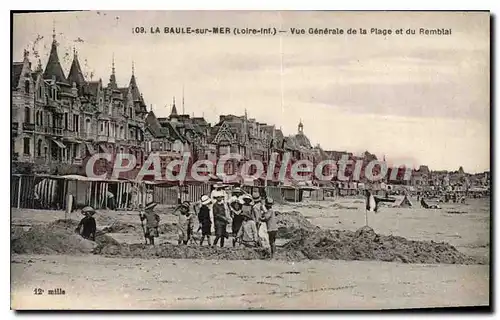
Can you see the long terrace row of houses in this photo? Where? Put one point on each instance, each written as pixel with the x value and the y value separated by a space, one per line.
pixel 59 121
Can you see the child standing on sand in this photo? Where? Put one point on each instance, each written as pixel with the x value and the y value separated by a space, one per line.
pixel 185 224
pixel 204 219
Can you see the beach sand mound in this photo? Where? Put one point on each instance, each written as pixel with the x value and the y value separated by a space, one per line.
pixel 167 228
pixel 291 222
pixel 365 244
pixel 57 237
pixel 307 242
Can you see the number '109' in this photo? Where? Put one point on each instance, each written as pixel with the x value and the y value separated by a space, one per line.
pixel 138 30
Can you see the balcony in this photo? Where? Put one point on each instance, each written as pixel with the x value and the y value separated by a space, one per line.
pixel 68 134
pixel 52 131
pixel 28 127
pixel 103 138
pixel 88 136
pixel 54 106
pixel 15 128
pixel 41 160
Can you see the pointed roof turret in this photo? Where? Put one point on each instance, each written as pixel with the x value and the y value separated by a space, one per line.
pixel 75 72
pixel 136 94
pixel 301 126
pixel 174 110
pixel 53 68
pixel 112 78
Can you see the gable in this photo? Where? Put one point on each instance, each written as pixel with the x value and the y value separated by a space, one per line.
pixel 224 134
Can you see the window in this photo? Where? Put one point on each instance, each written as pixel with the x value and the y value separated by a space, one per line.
pixel 39 148
pixel 75 151
pixel 27 86
pixel 66 120
pixel 101 128
pixel 76 122
pixel 88 126
pixel 26 149
pixel 40 92
pixel 130 112
pixel 37 118
pixel 27 115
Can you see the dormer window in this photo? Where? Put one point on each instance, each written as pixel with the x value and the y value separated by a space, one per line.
pixel 27 86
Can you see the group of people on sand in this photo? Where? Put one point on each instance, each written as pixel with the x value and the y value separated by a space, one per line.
pixel 251 218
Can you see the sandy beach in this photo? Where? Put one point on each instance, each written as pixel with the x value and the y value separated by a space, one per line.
pixel 95 281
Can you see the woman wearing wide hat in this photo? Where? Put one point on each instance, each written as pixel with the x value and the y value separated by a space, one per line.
pixel 152 221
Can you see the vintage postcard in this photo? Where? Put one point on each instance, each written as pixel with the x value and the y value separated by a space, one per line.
pixel 250 160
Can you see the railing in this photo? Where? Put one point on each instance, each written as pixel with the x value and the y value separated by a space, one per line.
pixel 52 130
pixel 28 126
pixel 88 135
pixel 70 134
pixel 41 160
pixel 102 138
pixel 25 158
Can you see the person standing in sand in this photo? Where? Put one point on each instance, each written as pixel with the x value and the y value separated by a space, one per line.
pixel 204 219
pixel 220 219
pixel 87 226
pixel 111 200
pixel 185 224
pixel 256 209
pixel 152 221
pixel 235 208
pixel 269 217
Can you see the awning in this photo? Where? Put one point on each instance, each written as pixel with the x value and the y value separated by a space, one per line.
pixel 103 148
pixel 59 144
pixel 90 148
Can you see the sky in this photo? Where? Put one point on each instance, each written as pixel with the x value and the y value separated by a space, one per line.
pixel 415 99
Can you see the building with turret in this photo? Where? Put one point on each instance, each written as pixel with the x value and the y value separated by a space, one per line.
pixel 59 121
